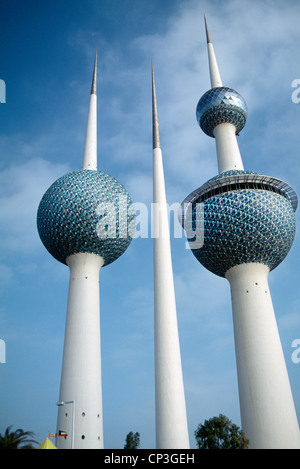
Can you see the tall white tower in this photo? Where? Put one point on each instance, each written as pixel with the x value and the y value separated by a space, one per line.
pixel 84 220
pixel 248 229
pixel 171 419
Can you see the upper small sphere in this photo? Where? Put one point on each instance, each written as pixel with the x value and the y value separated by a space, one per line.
pixel 221 105
pixel 86 211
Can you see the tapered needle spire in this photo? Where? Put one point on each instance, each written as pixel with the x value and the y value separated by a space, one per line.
pixel 171 420
pixel 94 82
pixel 90 147
pixel 207 32
pixel 215 77
pixel 155 127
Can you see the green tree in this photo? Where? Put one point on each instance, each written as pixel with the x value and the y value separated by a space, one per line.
pixel 220 433
pixel 132 441
pixel 17 439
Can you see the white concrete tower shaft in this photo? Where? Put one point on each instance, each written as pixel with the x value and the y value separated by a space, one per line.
pixel 268 413
pixel 80 398
pixel 80 414
pixel 171 419
pixel 228 152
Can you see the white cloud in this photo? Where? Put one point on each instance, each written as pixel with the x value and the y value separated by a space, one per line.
pixel 181 73
pixel 22 186
pixel 139 185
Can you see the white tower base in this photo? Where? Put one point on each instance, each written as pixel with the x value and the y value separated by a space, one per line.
pixel 267 409
pixel 80 400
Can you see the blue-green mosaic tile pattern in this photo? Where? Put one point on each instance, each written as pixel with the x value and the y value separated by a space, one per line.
pixel 231 172
pixel 244 226
pixel 221 105
pixel 86 211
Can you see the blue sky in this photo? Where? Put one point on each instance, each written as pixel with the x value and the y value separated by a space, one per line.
pixel 46 60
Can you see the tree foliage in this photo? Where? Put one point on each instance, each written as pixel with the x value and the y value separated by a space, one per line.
pixel 17 439
pixel 220 433
pixel 132 441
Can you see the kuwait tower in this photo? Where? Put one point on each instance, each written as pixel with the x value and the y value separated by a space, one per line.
pixel 171 420
pixel 245 226
pixel 85 220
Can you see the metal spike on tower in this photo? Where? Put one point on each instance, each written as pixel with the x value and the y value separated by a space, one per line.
pixel 85 220
pixel 171 419
pixel 248 229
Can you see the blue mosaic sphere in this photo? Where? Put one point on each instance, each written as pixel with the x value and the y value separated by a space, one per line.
pixel 86 211
pixel 221 105
pixel 242 222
